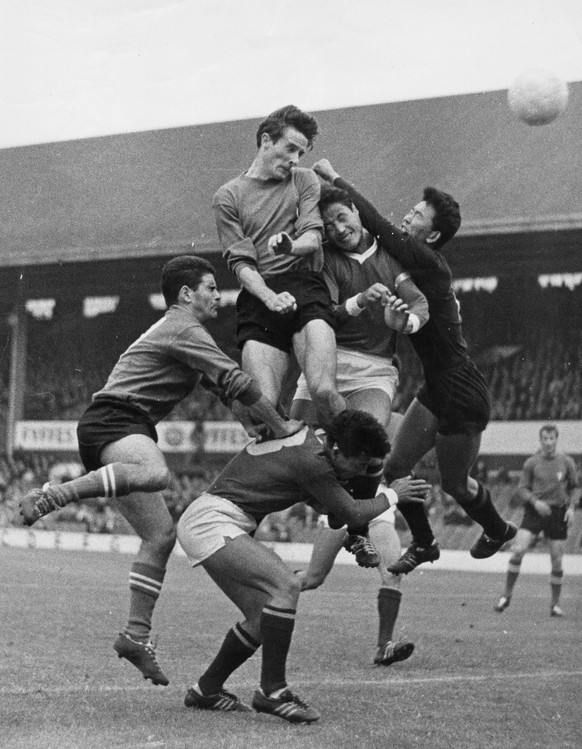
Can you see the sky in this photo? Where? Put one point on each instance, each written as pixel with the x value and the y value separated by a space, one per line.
pixel 83 68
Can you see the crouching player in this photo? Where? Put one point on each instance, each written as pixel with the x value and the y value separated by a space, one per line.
pixel 216 531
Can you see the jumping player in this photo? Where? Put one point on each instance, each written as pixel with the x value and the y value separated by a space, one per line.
pixel 370 291
pixel 117 436
pixel 217 529
pixel 549 491
pixel 270 230
pixel 451 409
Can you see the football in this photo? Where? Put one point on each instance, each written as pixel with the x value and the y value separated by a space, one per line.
pixel 537 97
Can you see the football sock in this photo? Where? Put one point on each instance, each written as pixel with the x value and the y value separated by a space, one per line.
pixel 238 646
pixel 276 632
pixel 109 481
pixel 513 571
pixel 145 584
pixel 556 586
pixel 388 606
pixel 417 520
pixel 364 486
pixel 482 510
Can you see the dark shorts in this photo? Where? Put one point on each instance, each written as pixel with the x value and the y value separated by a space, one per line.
pixel 256 323
pixel 459 398
pixel 108 420
pixel 553 527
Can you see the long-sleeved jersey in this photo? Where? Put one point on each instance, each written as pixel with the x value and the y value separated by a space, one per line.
pixel 168 361
pixel 348 274
pixel 248 211
pixel 272 476
pixel 439 344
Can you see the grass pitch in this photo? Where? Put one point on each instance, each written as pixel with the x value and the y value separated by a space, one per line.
pixel 477 679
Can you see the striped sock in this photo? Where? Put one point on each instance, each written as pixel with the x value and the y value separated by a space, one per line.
pixel 110 482
pixel 238 646
pixel 276 632
pixel 145 584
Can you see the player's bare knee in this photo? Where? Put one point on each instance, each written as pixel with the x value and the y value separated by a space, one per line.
pixel 289 588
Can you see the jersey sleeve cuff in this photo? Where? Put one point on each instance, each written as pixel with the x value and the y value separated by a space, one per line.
pixel 352 307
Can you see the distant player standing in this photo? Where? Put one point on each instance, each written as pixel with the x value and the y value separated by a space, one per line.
pixel 549 491
pixel 270 229
pixel 452 408
pixel 117 436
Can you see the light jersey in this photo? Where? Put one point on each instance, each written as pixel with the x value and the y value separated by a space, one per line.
pixel 348 274
pixel 439 344
pixel 248 211
pixel 272 476
pixel 550 479
pixel 168 361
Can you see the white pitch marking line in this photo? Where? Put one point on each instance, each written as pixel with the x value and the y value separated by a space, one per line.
pixel 23 691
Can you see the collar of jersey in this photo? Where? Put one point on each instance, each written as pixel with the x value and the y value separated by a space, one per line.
pixel 272 446
pixel 361 257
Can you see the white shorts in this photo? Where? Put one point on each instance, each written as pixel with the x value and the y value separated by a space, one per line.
pixel 388 516
pixel 207 522
pixel 357 372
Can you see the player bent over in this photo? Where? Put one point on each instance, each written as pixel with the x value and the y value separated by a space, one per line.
pixel 117 436
pixel 217 530
pixel 549 490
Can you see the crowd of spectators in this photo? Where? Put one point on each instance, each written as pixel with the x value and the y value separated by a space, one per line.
pixel 529 356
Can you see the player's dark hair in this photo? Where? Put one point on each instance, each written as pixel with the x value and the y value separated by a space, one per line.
pixel 331 195
pixel 356 433
pixel 447 214
pixel 289 116
pixel 549 428
pixel 185 270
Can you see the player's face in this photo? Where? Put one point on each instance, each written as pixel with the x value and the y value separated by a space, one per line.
pixel 548 441
pixel 418 222
pixel 346 468
pixel 204 300
pixel 343 227
pixel 280 156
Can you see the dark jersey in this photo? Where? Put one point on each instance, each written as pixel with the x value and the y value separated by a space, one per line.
pixel 439 344
pixel 274 475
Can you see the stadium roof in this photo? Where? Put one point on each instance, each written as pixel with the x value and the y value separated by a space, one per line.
pixel 148 194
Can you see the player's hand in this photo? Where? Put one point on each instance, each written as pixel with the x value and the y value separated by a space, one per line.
pixel 396 314
pixel 280 244
pixel 410 490
pixel 289 427
pixel 325 170
pixel 542 508
pixel 569 516
pixel 259 432
pixel 282 303
pixel 377 293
